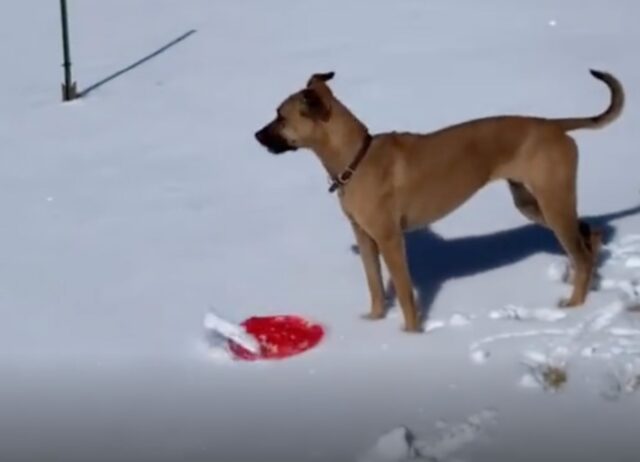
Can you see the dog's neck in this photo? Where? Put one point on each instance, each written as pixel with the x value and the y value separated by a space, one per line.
pixel 338 148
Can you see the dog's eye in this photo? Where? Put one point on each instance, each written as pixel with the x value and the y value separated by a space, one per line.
pixel 279 118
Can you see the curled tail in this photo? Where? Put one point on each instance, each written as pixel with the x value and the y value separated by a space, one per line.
pixel 605 118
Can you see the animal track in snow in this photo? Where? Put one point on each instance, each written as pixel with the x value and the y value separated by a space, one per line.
pixel 609 334
pixel 455 436
pixel 621 380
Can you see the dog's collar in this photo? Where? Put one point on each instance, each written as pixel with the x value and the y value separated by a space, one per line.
pixel 343 178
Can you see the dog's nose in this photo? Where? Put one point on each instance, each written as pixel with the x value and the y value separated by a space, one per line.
pixel 259 135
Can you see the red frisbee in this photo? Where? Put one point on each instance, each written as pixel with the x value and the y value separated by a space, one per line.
pixel 278 336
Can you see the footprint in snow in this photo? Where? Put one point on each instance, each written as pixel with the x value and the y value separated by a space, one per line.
pixel 401 445
pixel 622 380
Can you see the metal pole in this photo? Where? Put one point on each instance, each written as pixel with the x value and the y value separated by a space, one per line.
pixel 69 90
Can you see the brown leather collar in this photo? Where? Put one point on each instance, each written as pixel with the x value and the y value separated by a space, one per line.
pixel 344 177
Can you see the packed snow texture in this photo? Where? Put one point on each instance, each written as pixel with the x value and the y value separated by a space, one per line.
pixel 130 212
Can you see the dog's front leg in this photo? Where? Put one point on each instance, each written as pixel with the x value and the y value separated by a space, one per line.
pixel 391 245
pixel 370 256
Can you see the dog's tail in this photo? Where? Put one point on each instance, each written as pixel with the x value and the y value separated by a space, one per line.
pixel 609 115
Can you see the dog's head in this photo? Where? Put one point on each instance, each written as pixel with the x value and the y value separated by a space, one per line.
pixel 299 118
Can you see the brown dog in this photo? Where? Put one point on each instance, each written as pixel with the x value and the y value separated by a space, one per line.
pixel 399 181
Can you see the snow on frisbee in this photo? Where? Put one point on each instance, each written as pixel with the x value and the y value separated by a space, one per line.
pixel 266 337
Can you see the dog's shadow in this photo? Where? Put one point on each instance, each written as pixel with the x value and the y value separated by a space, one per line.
pixel 434 260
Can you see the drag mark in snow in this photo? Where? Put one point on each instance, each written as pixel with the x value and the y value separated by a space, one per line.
pixel 513 335
pixel 520 313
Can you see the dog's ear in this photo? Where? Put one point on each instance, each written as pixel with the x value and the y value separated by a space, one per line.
pixel 320 77
pixel 314 106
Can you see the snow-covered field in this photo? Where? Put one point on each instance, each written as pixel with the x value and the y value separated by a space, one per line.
pixel 129 214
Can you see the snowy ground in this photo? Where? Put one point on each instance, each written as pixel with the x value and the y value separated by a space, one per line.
pixel 132 212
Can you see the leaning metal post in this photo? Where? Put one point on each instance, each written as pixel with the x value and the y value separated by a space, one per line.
pixel 69 90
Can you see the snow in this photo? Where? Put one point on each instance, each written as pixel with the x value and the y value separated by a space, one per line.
pixel 480 356
pixel 128 213
pixel 524 313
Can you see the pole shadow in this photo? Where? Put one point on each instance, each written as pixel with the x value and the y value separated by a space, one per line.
pixel 137 63
pixel 433 260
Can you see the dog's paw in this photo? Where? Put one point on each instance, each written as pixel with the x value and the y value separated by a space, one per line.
pixel 372 316
pixel 413 329
pixel 568 303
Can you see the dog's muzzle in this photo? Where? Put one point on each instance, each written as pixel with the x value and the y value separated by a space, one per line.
pixel 274 143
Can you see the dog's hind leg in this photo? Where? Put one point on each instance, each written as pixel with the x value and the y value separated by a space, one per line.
pixel 592 237
pixel 528 205
pixel 525 202
pixel 565 225
pixel 554 186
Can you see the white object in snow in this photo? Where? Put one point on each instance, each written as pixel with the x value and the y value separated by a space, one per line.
pixel 459 320
pixel 394 446
pixel 480 356
pixel 233 332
